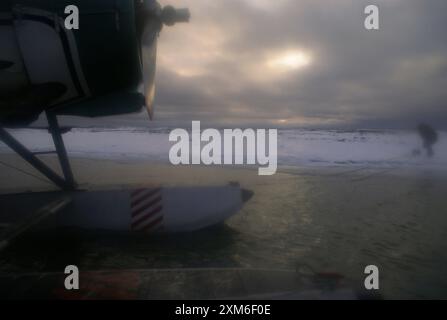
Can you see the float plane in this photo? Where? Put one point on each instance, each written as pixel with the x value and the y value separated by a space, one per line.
pixel 106 67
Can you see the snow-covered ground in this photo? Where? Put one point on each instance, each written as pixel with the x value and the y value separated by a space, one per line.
pixel 295 147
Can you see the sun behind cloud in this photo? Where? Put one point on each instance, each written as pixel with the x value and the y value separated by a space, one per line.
pixel 290 60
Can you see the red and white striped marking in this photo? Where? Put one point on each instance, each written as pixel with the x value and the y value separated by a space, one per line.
pixel 146 207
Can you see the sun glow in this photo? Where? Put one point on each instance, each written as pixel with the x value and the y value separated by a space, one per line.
pixel 290 60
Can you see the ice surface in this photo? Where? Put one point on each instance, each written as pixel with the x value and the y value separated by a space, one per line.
pixel 295 147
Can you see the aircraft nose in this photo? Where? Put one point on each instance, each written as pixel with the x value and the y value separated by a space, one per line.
pixel 246 195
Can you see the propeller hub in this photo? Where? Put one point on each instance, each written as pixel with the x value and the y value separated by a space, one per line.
pixel 170 15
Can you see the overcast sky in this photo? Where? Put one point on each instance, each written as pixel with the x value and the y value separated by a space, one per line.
pixel 304 63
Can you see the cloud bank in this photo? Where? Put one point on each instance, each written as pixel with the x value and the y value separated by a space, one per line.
pixel 308 63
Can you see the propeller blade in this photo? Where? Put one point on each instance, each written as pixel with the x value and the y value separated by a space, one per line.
pixel 149 61
pixel 153 24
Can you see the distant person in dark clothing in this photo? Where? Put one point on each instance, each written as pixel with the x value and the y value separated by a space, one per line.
pixel 429 137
